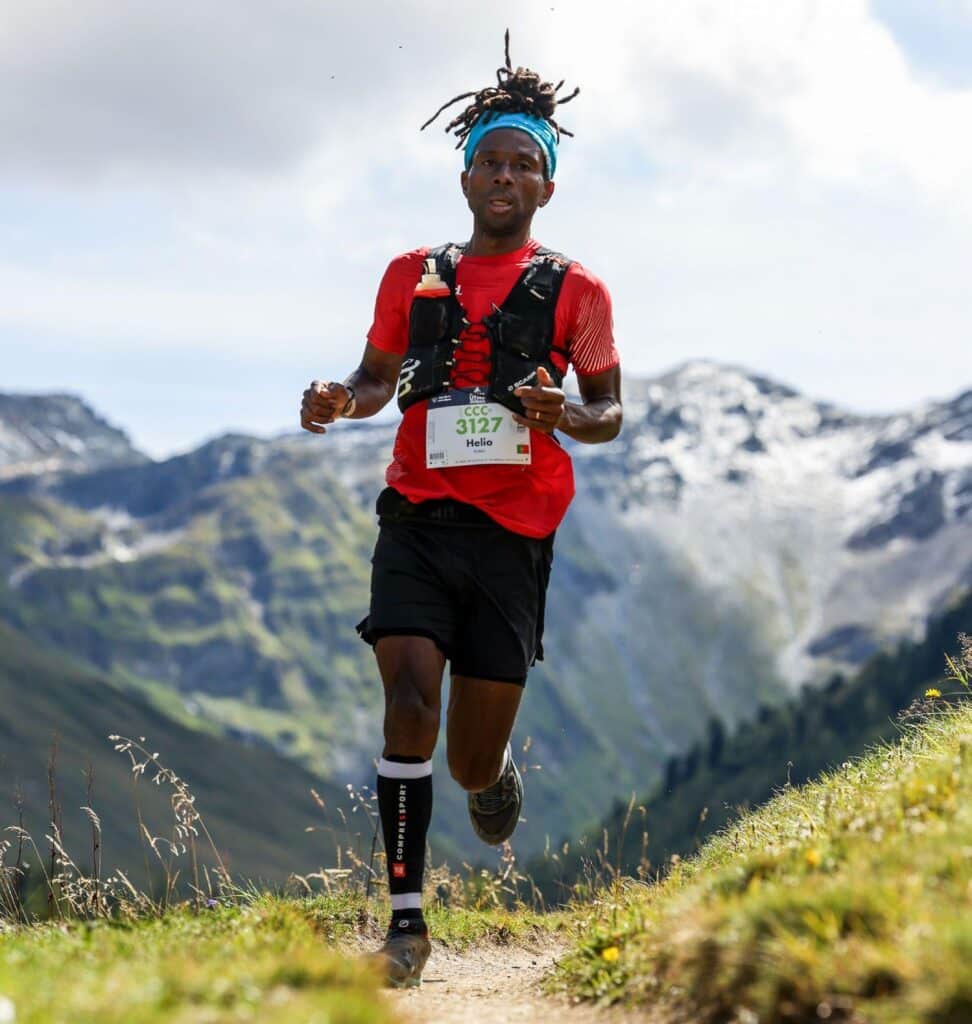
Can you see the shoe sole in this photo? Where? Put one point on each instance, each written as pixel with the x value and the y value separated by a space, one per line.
pixel 498 841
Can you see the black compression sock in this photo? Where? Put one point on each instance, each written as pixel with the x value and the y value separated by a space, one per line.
pixel 405 807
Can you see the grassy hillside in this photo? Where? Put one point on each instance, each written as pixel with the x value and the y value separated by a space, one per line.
pixel 256 803
pixel 848 899
pixel 707 787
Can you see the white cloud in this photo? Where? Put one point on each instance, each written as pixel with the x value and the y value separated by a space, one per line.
pixel 143 90
pixel 767 182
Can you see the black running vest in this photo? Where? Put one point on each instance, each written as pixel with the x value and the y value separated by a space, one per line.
pixel 520 332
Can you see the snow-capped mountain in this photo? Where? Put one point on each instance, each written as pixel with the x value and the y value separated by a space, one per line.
pixel 48 433
pixel 834 533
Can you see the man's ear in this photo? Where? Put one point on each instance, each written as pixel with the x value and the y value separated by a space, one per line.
pixel 464 181
pixel 548 191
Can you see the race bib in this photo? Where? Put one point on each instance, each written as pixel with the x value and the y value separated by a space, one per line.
pixel 463 429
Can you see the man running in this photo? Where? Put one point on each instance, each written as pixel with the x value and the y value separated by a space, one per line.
pixel 475 340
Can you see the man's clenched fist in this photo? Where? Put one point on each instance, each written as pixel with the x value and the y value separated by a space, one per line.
pixel 323 403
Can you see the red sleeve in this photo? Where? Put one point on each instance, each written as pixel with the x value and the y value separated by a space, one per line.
pixel 589 324
pixel 389 331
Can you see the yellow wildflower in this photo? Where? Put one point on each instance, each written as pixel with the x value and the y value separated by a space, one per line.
pixel 611 953
pixel 933 692
pixel 813 858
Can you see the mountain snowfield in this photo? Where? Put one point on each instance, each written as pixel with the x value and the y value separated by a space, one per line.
pixel 836 534
pixel 737 541
pixel 48 433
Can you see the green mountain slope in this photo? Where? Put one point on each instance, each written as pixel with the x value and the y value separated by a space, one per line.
pixel 256 804
pixel 224 586
pixel 705 788
pixel 232 604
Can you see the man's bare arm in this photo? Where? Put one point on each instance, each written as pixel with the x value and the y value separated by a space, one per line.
pixel 598 419
pixel 595 420
pixel 374 383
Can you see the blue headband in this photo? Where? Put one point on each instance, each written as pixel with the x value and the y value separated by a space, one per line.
pixel 539 130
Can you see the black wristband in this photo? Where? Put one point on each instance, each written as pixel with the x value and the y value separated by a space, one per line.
pixel 351 403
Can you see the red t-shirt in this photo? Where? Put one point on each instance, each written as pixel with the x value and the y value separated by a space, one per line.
pixel 531 499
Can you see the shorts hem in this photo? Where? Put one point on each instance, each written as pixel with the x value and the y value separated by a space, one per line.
pixel 372 636
pixel 493 677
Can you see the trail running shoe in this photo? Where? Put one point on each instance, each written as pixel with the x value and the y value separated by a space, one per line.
pixel 402 957
pixel 495 811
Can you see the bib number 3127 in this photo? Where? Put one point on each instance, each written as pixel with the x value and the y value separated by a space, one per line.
pixel 463 429
pixel 472 422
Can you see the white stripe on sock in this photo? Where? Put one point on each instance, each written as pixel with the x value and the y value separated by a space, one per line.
pixel 397 770
pixel 407 901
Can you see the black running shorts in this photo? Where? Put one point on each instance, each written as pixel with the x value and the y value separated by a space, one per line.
pixel 445 570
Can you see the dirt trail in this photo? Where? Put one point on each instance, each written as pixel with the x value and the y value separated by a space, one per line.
pixel 492 985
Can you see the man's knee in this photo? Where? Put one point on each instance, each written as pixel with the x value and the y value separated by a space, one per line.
pixel 475 772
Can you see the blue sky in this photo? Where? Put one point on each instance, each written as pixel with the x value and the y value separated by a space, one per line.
pixel 935 36
pixel 197 203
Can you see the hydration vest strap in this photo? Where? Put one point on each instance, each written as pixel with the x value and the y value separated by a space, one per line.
pixel 542 278
pixel 443 259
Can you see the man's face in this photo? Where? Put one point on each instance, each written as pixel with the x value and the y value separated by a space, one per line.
pixel 505 184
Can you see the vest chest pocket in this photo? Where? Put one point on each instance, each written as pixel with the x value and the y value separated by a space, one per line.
pixel 519 336
pixel 428 322
pixel 430 350
pixel 520 345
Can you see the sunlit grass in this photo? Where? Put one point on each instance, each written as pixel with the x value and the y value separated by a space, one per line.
pixel 847 899
pixel 265 962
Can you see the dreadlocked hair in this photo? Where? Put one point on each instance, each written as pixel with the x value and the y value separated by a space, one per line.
pixel 515 92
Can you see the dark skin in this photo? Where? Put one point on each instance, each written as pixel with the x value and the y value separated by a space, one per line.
pixel 505 186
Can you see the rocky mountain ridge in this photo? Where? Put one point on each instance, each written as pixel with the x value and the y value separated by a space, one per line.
pixel 846 531
pixel 55 433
